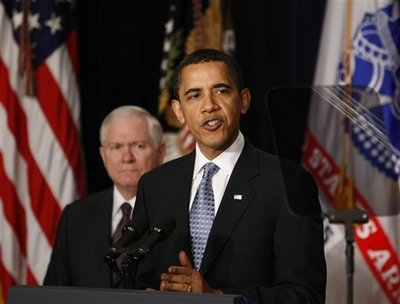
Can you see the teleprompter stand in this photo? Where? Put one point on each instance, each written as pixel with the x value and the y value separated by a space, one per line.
pixel 349 218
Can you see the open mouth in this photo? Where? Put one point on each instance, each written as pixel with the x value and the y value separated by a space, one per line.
pixel 212 124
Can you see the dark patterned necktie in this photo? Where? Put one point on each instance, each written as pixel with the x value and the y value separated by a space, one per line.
pixel 202 214
pixel 126 214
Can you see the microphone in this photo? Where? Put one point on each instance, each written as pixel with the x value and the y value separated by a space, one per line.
pixel 158 232
pixel 132 231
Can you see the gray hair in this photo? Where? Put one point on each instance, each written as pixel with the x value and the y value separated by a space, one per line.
pixel 155 129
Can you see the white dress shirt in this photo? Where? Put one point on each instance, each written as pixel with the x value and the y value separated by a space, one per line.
pixel 116 215
pixel 226 161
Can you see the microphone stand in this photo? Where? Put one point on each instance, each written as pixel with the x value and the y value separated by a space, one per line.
pixel 129 270
pixel 348 218
pixel 130 267
pixel 112 263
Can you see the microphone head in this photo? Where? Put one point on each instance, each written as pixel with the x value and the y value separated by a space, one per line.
pixel 158 232
pixel 138 225
pixel 131 232
pixel 165 225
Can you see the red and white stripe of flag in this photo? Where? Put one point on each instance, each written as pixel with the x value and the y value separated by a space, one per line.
pixel 40 160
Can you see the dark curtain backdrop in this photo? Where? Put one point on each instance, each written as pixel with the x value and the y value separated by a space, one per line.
pixel 120 52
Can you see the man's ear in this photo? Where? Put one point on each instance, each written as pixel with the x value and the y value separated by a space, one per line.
pixel 246 99
pixel 101 150
pixel 176 106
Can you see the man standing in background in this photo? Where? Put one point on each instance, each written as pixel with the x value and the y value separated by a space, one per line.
pixel 131 144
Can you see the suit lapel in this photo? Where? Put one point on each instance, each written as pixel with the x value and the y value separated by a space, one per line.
pixel 183 187
pixel 238 196
pixel 101 219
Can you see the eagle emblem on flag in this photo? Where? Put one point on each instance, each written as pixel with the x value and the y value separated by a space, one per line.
pixel 376 65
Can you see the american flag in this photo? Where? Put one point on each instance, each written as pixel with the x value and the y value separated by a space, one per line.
pixel 40 159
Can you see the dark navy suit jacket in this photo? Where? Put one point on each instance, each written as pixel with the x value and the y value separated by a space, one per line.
pixel 82 240
pixel 258 246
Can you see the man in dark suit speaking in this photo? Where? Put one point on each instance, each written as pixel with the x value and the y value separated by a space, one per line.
pixel 131 144
pixel 235 232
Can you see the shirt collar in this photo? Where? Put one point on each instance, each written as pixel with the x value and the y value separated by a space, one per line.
pixel 118 200
pixel 226 161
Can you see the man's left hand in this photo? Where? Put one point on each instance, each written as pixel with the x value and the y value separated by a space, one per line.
pixel 185 278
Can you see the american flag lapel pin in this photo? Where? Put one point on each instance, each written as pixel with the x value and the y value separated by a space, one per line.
pixel 237 197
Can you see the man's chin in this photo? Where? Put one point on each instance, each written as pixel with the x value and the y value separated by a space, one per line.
pixel 129 182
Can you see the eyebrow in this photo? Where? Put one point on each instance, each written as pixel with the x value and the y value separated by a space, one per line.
pixel 215 86
pixel 222 85
pixel 192 90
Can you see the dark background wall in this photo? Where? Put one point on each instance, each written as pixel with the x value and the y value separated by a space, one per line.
pixel 120 54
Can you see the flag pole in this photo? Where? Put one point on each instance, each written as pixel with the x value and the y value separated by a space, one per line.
pixel 346 212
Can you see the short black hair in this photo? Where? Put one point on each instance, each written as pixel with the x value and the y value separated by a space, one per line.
pixel 208 55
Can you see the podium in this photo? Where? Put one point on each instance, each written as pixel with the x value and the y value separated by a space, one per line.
pixel 21 294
